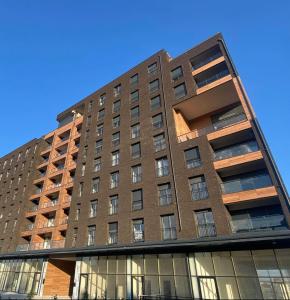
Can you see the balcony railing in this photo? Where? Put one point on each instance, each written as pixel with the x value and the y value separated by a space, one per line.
pixel 205 61
pixel 53 186
pixel 41 246
pixel 236 150
pixel 49 204
pixel 206 230
pixel 224 123
pixel 246 183
pixel 213 78
pixel 267 222
pixel 47 224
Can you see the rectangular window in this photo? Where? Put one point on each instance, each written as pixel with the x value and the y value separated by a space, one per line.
pixel 134 80
pixel 198 188
pixel 155 103
pixel 205 223
pixel 74 238
pixel 136 173
pixel 95 185
pixel 180 91
pixel 91 235
pixel 176 74
pixel 101 115
pixel 113 233
pixel 168 227
pixel 135 131
pixel 116 106
pixel 138 230
pixel 117 90
pixel 102 99
pixel 152 69
pixel 83 170
pixel 100 130
pixel 192 158
pixel 154 86
pixel 116 139
pixel 115 158
pixel 157 121
pixel 89 121
pixel 78 212
pixel 116 122
pixel 136 150
pixel 113 205
pixel 81 189
pixel 134 96
pixel 97 164
pixel 137 200
pixel 134 113
pixel 165 194
pixel 159 142
pixel 162 167
pixel 93 208
pixel 114 183
pixel 99 146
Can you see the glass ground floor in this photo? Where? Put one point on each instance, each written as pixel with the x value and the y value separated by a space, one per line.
pixel 251 274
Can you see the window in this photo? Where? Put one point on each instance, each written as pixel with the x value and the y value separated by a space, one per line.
pixel 136 150
pixel 99 146
pixel 102 99
pixel 93 208
pixel 205 223
pixel 89 121
pixel 165 194
pixel 134 96
pixel 159 142
pixel 162 167
pixel 95 185
pixel 116 122
pixel 83 170
pixel 136 173
pixel 152 69
pixel 180 91
pixel 198 188
pixel 138 230
pixel 116 139
pixel 114 183
pixel 81 189
pixel 116 106
pixel 117 90
pixel 74 238
pixel 100 130
pixel 155 103
pixel 134 113
pixel 78 212
pixel 113 205
pixel 168 227
pixel 113 233
pixel 192 158
pixel 91 235
pixel 157 121
pixel 97 164
pixel 101 115
pixel 137 200
pixel 154 86
pixel 115 158
pixel 134 80
pixel 135 131
pixel 85 152
pixel 176 73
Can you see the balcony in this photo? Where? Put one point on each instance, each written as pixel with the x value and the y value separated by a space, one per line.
pixel 29 227
pixel 34 208
pixel 49 204
pixel 263 223
pixel 53 186
pixel 63 221
pixel 41 246
pixel 47 224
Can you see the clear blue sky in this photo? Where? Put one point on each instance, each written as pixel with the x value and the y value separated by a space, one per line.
pixel 54 53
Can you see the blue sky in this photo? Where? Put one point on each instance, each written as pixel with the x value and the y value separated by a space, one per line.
pixel 54 53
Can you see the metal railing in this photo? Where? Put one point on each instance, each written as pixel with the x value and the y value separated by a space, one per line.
pixel 41 246
pixel 205 61
pixel 236 150
pixel 226 122
pixel 266 222
pixel 213 78
pixel 246 183
pixel 49 204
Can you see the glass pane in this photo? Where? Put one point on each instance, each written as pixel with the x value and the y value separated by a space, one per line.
pixel 243 263
pixel 165 264
pixel 266 263
pixel 227 287
pixel 151 264
pixel 249 288
pixel 182 287
pixel 282 256
pixel 208 288
pixel 223 264
pixel 151 285
pixel 204 265
pixel 137 264
pixel 167 288
pixel 180 264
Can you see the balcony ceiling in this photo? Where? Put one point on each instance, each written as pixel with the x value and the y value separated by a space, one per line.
pixel 209 101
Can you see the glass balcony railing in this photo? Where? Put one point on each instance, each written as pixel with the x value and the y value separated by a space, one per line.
pixel 267 222
pixel 246 183
pixel 236 150
pixel 49 244
pixel 205 61
pixel 212 78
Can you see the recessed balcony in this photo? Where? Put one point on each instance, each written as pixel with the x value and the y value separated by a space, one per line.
pixel 50 244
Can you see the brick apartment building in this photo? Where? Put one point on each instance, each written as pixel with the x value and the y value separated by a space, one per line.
pixel 160 185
